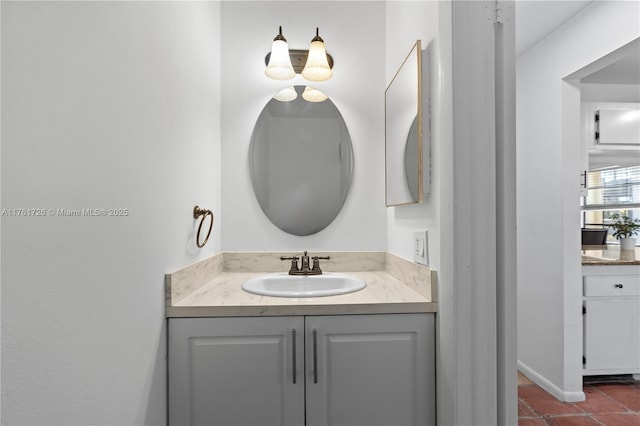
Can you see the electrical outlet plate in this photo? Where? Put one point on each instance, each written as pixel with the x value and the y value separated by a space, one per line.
pixel 420 252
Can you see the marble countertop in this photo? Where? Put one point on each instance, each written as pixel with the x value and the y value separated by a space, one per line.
pixel 609 255
pixel 220 293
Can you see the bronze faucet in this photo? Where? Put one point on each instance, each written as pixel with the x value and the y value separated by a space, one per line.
pixel 305 270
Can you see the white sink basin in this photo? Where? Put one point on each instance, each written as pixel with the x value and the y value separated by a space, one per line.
pixel 285 285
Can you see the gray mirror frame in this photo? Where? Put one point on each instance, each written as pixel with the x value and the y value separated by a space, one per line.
pixel 406 85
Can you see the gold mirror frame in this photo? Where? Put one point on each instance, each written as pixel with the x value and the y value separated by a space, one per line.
pixel 403 132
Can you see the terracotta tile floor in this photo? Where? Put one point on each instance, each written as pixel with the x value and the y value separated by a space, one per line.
pixel 610 402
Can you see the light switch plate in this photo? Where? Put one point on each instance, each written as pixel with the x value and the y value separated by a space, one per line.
pixel 420 248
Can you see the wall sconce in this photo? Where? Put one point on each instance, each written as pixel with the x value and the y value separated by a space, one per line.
pixel 314 64
pixel 278 61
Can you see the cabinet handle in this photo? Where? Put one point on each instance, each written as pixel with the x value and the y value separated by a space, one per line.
pixel 618 285
pixel 583 182
pixel 293 355
pixel 315 355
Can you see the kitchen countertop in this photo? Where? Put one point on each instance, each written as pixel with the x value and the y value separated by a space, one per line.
pixel 609 255
pixel 213 288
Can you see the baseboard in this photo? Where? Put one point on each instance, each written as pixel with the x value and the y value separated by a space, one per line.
pixel 545 384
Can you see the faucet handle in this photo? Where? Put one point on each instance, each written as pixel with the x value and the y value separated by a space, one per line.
pixel 316 263
pixel 294 263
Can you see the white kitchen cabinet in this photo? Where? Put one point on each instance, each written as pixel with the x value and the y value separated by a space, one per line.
pixel 611 339
pixel 611 311
pixel 350 370
pixel 595 153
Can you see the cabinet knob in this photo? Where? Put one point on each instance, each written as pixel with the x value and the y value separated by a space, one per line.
pixel 618 285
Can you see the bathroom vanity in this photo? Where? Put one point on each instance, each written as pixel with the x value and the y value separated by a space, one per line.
pixel 237 358
pixel 611 311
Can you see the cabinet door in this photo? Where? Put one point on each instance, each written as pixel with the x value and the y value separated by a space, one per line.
pixel 370 370
pixel 611 335
pixel 236 371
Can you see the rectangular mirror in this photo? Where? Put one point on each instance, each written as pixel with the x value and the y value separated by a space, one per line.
pixel 403 133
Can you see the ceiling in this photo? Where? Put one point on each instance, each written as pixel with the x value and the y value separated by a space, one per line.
pixel 536 19
pixel 625 70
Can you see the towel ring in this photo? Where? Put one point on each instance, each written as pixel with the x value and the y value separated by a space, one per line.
pixel 202 213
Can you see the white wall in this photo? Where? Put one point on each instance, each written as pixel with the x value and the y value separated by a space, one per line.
pixel 104 105
pixel 354 35
pixel 406 22
pixel 549 283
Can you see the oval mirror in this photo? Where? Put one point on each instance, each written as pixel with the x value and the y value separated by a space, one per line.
pixel 301 161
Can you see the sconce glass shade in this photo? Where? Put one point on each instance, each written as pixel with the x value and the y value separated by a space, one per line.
pixel 311 94
pixel 279 67
pixel 317 67
pixel 286 95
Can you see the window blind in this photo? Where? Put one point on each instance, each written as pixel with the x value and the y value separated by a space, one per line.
pixel 617 188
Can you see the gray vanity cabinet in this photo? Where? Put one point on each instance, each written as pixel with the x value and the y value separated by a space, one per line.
pixel 236 371
pixel 315 370
pixel 370 370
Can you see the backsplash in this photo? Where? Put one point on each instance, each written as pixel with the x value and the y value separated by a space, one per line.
pixel 420 278
pixel 184 281
pixel 270 261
